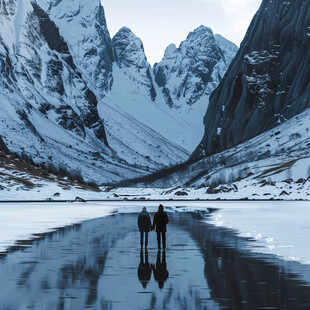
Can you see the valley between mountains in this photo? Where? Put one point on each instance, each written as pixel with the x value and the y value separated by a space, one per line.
pixel 90 111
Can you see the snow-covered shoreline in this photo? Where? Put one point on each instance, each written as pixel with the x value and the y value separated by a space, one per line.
pixel 21 221
pixel 51 191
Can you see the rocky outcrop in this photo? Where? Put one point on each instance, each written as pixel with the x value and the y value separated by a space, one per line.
pixel 268 81
pixel 130 57
pixel 195 68
pixel 3 147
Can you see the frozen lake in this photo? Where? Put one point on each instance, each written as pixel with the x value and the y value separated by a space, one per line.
pixel 97 264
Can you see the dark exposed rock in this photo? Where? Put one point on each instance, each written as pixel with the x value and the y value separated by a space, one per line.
pixel 202 185
pixel 267 82
pixel 108 189
pixel 212 190
pixel 284 193
pixel 270 183
pixel 288 181
pixel 69 120
pixel 300 181
pixel 3 147
pixel 222 189
pixel 51 34
pixel 88 114
pixel 79 199
pixel 180 193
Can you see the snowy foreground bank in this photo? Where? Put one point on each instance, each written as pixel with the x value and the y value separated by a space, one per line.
pixel 278 228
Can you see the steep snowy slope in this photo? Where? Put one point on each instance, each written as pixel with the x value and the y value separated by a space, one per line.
pixel 137 92
pixel 268 81
pixel 131 58
pixel 278 155
pixel 83 25
pixel 125 67
pixel 47 111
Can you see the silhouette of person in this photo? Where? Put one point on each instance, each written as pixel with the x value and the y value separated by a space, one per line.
pixel 145 225
pixel 160 271
pixel 160 222
pixel 144 270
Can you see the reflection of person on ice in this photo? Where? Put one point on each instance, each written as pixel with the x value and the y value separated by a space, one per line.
pixel 160 222
pixel 145 225
pixel 160 271
pixel 144 269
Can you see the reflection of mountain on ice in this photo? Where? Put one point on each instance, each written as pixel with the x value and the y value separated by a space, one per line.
pixel 95 265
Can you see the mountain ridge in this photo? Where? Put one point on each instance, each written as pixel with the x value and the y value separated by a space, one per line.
pixel 267 82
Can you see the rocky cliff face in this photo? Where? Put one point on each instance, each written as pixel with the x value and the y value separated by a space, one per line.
pixel 48 113
pixel 83 26
pixel 38 69
pixel 268 81
pixel 130 57
pixel 195 68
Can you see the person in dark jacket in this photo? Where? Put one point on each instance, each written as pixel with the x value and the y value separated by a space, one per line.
pixel 145 225
pixel 160 222
pixel 160 271
pixel 144 270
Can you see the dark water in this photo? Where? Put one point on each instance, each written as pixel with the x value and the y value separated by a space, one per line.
pixel 98 265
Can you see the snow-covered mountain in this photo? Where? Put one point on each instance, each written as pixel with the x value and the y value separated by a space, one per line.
pixel 137 89
pixel 50 107
pixel 195 68
pixel 131 57
pixel 268 80
pixel 257 133
pixel 74 99
pixel 126 100
pixel 48 113
pixel 83 26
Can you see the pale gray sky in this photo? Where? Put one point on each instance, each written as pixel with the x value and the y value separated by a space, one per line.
pixel 161 22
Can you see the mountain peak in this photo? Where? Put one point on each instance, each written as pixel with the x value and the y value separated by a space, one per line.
pixel 124 29
pixel 170 51
pixel 128 47
pixel 130 57
pixel 195 68
pixel 201 31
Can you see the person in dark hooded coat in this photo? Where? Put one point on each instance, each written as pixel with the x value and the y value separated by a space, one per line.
pixel 160 222
pixel 145 226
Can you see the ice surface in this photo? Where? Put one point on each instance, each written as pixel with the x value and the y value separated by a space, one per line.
pixel 278 228
pixel 21 221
